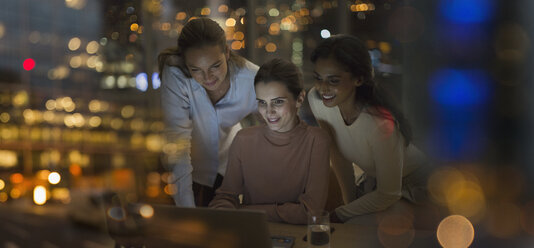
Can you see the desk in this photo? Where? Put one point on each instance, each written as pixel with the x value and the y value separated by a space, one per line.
pixel 350 236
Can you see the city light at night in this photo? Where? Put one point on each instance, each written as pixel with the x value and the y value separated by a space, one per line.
pixel 28 64
pixel 325 33
pixel 39 195
pixel 54 178
pixel 141 81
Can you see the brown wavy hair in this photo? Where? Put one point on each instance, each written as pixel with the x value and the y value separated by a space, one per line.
pixel 282 71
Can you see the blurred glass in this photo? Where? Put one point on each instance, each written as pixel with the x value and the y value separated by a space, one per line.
pixel 318 229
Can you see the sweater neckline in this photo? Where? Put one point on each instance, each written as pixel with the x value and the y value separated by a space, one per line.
pixel 340 119
pixel 280 139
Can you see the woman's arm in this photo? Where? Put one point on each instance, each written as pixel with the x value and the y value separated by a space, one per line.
pixel 176 108
pixel 315 193
pixel 343 168
pixel 388 155
pixel 227 196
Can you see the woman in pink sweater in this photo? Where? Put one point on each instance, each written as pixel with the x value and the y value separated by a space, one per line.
pixel 281 167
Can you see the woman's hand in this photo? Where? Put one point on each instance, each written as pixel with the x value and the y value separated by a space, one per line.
pixel 334 218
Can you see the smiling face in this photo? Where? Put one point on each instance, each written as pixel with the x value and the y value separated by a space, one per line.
pixel 278 106
pixel 335 85
pixel 208 66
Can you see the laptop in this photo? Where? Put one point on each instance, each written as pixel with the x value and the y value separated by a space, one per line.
pixel 143 225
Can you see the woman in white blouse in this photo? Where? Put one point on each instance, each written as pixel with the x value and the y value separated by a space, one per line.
pixel 373 157
pixel 206 91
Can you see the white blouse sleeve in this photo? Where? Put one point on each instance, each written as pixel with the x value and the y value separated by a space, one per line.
pixel 176 107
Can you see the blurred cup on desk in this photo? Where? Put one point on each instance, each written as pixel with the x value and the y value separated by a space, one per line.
pixel 318 229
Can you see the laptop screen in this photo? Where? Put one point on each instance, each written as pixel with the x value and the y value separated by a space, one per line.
pixel 146 225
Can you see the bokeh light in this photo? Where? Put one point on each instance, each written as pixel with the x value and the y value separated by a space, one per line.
pixel 154 143
pixel 236 45
pixel 95 121
pixel 180 16
pixel 39 195
pixel 61 194
pixel 223 8
pixel 116 123
pixel 75 4
pixel 76 61
pixel 270 47
pixel 16 178
pixel 230 22
pixel 54 178
pixel 274 29
pixel 20 99
pixel 156 82
pixel 28 64
pixel 274 12
pixel 127 111
pixel 5 117
pixel 15 193
pixel 166 26
pixel 115 35
pixel 460 87
pixel 467 11
pixel 94 106
pixel 134 27
pixel 460 191
pixel 116 213
pixel 74 44
pixel 466 198
pixel 75 170
pixel 205 11
pixel 240 12
pixel 122 82
pixel 455 231
pixel 239 35
pixel 146 211
pixel 9 159
pixel 103 41
pixel 43 174
pixel 141 81
pixel 92 47
pixel 325 33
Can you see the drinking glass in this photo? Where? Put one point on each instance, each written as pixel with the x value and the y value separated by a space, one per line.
pixel 318 230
